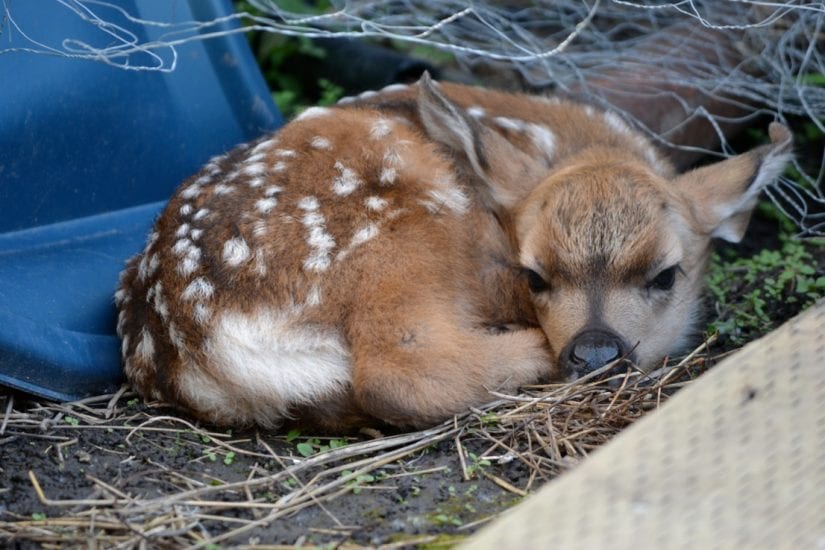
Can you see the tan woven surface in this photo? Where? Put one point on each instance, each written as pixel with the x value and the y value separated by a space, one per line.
pixel 735 460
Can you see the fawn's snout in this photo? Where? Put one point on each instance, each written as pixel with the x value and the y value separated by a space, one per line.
pixel 591 350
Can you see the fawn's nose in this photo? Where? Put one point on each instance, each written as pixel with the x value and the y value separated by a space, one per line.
pixel 591 350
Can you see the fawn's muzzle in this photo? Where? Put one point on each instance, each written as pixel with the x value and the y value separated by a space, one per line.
pixel 591 350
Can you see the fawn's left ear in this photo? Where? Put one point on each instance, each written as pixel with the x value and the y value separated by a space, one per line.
pixel 506 173
pixel 724 194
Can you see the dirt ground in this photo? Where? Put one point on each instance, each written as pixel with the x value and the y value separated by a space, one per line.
pixel 142 451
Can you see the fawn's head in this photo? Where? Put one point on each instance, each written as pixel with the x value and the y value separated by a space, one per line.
pixel 613 252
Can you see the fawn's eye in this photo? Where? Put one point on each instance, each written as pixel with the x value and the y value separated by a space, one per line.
pixel 665 279
pixel 535 281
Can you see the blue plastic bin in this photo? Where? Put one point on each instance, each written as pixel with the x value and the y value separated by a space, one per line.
pixel 88 154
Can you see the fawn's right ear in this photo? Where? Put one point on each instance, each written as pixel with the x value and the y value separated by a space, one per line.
pixel 507 173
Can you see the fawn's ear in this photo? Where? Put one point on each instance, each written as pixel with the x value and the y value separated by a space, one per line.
pixel 724 194
pixel 507 174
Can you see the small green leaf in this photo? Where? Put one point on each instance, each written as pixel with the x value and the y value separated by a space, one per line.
pixel 38 516
pixel 71 420
pixel 305 449
pixel 229 458
pixel 292 435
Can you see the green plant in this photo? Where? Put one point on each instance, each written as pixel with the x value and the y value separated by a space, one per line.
pixel 313 445
pixel 447 519
pixel 752 294
pixel 358 481
pixel 475 464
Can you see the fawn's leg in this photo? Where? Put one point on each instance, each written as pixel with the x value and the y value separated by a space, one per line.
pixel 416 362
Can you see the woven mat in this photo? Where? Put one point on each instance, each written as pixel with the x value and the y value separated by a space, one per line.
pixel 734 460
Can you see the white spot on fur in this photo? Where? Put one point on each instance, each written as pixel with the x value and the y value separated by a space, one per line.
pixel 370 231
pixel 313 112
pixel 346 182
pixel 319 241
pixel 181 246
pixel 176 337
pixel 256 182
pixel 475 111
pixel 451 198
pixel 346 100
pixel 190 263
pixel 376 203
pixel 264 146
pixel 313 296
pixel 255 157
pixel 259 229
pixel 185 210
pixel 264 206
pixel 543 139
pixel 203 180
pixel 124 344
pixel 182 230
pixel 257 169
pixel 389 171
pixel 201 214
pixel 235 251
pixel 201 313
pixel 280 166
pixel 223 189
pixel 160 303
pixel 143 268
pixel 286 153
pixel 273 190
pixel 147 267
pixel 191 192
pixel 616 123
pixel 394 88
pixel 509 123
pixel 274 363
pixel 588 110
pixel 260 262
pixel 199 289
pixel 196 234
pixel 121 297
pixel 321 143
pixel 145 348
pixel 381 128
pixel 368 94
pixel 308 204
pixel 187 266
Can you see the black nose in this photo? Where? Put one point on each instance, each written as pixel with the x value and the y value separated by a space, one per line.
pixel 591 350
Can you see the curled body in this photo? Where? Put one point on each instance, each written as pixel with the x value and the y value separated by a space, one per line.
pixel 397 256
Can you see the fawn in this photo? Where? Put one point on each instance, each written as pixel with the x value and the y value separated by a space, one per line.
pixel 397 256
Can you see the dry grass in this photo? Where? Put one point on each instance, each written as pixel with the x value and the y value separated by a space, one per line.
pixel 547 429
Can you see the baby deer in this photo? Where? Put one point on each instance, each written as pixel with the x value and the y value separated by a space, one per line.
pixel 399 255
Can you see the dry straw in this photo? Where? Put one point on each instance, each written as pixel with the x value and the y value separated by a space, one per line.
pixel 547 429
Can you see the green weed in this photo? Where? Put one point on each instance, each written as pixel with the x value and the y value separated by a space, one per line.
pixel 750 292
